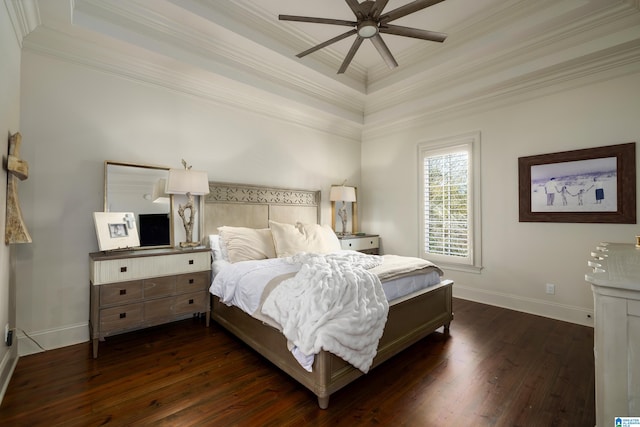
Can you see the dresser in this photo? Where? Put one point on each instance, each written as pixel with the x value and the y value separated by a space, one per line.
pixel 615 280
pixel 367 243
pixel 136 289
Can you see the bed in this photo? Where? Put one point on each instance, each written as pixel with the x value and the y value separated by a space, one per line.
pixel 409 319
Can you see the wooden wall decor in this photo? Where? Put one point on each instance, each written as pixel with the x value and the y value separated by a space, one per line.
pixel 15 230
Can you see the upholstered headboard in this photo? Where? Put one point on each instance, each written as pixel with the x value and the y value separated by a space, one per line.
pixel 241 205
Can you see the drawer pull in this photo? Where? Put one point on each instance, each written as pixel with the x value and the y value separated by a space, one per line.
pixel 123 291
pixel 190 301
pixel 123 315
pixel 371 242
pixel 191 281
pixel 123 269
pixel 349 244
pixel 190 262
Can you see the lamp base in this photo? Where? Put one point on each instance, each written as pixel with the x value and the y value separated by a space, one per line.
pixel 189 244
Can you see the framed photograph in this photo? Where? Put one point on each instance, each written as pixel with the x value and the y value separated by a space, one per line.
pixel 116 230
pixel 595 185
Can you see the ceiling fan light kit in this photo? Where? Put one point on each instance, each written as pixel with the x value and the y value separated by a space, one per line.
pixel 367 29
pixel 369 24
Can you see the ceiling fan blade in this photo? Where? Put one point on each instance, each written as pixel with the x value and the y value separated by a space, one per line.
pixel 416 33
pixel 377 8
pixel 405 10
pixel 384 51
pixel 327 43
pixel 347 60
pixel 355 7
pixel 316 20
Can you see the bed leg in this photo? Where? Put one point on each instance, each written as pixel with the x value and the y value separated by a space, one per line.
pixel 323 402
pixel 447 328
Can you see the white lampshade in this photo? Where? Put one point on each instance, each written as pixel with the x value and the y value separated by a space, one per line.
pixel 340 193
pixel 183 181
pixel 159 196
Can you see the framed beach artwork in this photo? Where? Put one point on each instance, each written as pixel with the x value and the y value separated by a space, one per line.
pixel 595 185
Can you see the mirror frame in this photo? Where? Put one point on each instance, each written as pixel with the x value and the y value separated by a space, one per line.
pixel 105 208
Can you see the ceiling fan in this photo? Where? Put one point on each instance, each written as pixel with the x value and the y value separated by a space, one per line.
pixel 370 22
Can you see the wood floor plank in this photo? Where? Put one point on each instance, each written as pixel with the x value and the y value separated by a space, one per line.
pixel 496 368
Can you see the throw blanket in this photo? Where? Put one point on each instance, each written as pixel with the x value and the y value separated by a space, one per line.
pixel 395 266
pixel 333 303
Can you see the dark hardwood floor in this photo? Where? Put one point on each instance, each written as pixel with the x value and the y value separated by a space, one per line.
pixel 496 368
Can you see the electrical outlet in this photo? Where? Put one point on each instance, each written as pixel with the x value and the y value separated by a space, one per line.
pixel 551 288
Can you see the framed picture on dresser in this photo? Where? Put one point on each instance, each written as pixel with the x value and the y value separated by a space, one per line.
pixel 116 230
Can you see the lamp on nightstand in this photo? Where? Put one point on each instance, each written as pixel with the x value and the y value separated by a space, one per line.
pixel 192 183
pixel 341 193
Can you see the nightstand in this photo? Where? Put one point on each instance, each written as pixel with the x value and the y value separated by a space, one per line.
pixel 137 289
pixel 367 243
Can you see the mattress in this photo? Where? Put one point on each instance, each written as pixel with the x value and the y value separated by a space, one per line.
pixel 242 284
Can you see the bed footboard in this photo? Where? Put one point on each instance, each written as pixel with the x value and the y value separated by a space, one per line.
pixel 410 319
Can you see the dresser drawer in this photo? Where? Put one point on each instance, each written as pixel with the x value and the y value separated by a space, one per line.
pixel 121 293
pixel 159 286
pixel 360 243
pixel 120 318
pixel 161 308
pixel 191 303
pixel 192 282
pixel 125 269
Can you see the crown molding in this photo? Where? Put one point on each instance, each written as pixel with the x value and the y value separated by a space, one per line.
pixel 481 25
pixel 562 39
pixel 615 62
pixel 255 22
pixel 24 16
pixel 246 61
pixel 159 71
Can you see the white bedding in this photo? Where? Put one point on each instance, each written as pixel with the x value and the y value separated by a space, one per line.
pixel 333 303
pixel 242 284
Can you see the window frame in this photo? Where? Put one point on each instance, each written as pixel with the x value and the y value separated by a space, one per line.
pixel 471 142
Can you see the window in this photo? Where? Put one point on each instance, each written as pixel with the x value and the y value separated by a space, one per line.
pixel 449 171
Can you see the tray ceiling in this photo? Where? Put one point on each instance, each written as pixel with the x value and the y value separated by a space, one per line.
pixel 239 50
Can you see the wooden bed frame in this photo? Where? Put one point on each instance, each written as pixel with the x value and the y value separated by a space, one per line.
pixel 410 318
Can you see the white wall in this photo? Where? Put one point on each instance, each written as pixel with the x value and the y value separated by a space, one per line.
pixel 74 118
pixel 9 124
pixel 518 258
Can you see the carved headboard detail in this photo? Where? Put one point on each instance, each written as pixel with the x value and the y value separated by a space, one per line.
pixel 242 205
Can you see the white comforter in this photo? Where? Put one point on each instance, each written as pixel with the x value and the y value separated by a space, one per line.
pixel 333 303
pixel 244 284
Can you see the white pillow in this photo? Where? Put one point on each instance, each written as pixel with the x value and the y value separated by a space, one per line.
pixel 245 244
pixel 292 239
pixel 216 249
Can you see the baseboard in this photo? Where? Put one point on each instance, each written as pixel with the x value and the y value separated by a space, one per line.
pixel 7 366
pixel 52 338
pixel 566 313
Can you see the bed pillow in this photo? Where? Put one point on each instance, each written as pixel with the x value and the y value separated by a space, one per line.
pixel 246 244
pixel 216 248
pixel 290 239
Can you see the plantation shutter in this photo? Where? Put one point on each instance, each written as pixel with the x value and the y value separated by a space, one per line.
pixel 446 204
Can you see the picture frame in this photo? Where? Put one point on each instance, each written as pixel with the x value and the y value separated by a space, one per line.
pixel 592 185
pixel 116 230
